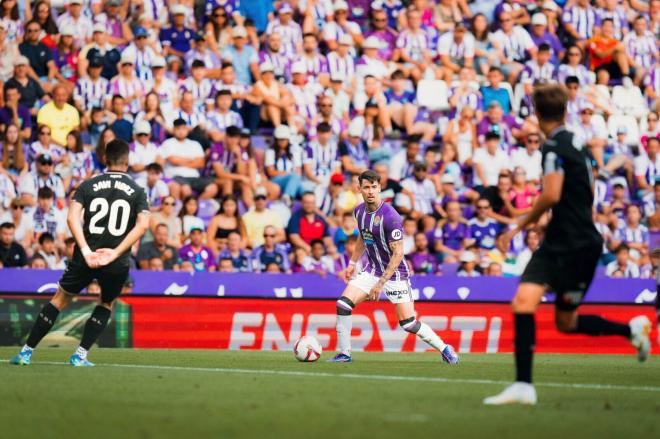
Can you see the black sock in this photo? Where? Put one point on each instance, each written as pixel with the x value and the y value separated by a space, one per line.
pixel 525 326
pixel 45 321
pixel 596 325
pixel 95 326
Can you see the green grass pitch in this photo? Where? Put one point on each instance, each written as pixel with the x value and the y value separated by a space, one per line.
pixel 224 394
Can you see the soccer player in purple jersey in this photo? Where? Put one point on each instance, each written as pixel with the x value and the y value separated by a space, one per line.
pixel 386 270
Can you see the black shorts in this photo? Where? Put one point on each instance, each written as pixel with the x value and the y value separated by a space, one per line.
pixel 78 276
pixel 197 184
pixel 567 274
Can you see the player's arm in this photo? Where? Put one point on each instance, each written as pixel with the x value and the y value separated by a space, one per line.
pixel 355 257
pixel 395 260
pixel 550 195
pixel 107 255
pixel 76 227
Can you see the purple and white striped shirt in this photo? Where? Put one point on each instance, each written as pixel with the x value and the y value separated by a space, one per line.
pixel 91 93
pixel 653 79
pixel 534 72
pixel 413 44
pixel 642 48
pixel 447 46
pixel 618 17
pixel 581 72
pixel 120 85
pixel 220 121
pixel 378 229
pixel 341 66
pixel 583 20
pixel 323 159
pixel 305 98
pixel 291 35
pixel 514 45
pixel 201 91
pixel 315 66
pixel 280 62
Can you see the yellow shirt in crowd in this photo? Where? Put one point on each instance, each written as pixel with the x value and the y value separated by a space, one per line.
pixel 60 121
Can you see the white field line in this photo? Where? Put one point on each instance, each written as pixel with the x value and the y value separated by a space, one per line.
pixel 355 376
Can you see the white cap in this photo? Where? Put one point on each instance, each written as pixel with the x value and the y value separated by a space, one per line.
pixel 99 27
pixel 158 61
pixel 261 192
pixel 127 58
pixel 372 43
pixel 67 31
pixel 298 67
pixel 356 127
pixel 285 8
pixel 266 66
pixel 549 4
pixel 447 178
pixel 239 32
pixel 282 132
pixel 467 256
pixel 539 19
pixel 340 5
pixel 178 10
pixel 22 61
pixel 345 39
pixel 142 127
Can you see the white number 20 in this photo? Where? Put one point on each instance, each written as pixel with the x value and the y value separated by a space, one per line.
pixel 101 205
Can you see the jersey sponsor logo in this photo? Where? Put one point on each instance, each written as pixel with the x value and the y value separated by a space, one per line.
pixel 368 237
pixel 396 234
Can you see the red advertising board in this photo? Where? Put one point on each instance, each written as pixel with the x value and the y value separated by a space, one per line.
pixel 263 324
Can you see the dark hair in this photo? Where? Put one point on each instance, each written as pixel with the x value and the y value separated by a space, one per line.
pixel 316 241
pixel 183 212
pixel 323 127
pixel 223 92
pixel 216 27
pixel 14 15
pixel 46 236
pixel 550 102
pixel 233 131
pixel 494 69
pixel 482 36
pixel 309 34
pixel 70 240
pixel 79 142
pixel 397 74
pixel 621 247
pixel 45 193
pixel 197 63
pixel 49 25
pixel 413 138
pixel 155 167
pixel 370 176
pixel 544 47
pixel 11 86
pixel 101 146
pixel 574 46
pixel 7 225
pixel 116 152
pixel 606 19
pixel 158 110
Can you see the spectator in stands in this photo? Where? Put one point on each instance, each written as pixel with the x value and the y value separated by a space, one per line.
pixel 403 109
pixel 468 265
pixel 224 223
pixel 42 176
pixel 242 56
pixel 14 154
pixel 341 25
pixel 260 217
pixel 228 162
pixel 12 253
pixel 451 234
pixel 74 19
pixel 318 261
pixel 642 48
pixel 541 34
pixel 156 264
pixel 348 228
pixel 8 54
pixel 488 161
pixel 606 51
pixel 270 253
pixel 529 158
pixel 48 251
pixel 532 241
pixel 177 38
pixel 218 30
pixel 652 129
pixel 153 184
pixel 143 151
pixel 652 208
pixel 166 214
pixel 41 58
pixel 184 158
pixel 47 217
pixel 522 195
pixel 158 249
pixel 622 263
pixel 189 218
pixel 633 233
pixel 456 50
pixel 30 90
pixel 647 167
pixel 514 44
pixel 424 194
pixel 306 226
pixel 422 261
pixel 59 116
pixel 38 263
pixel 240 259
pixel 44 145
pixel 196 253
pixel 283 164
pixel 482 229
pixel 24 226
pixel 15 113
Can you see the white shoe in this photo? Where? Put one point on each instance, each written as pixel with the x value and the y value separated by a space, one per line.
pixel 640 328
pixel 517 393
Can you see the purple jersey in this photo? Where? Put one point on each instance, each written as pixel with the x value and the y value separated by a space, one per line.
pixel 452 236
pixel 423 263
pixel 484 233
pixel 201 259
pixel 378 229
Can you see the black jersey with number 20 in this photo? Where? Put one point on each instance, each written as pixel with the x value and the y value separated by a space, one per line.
pixel 112 202
pixel 572 226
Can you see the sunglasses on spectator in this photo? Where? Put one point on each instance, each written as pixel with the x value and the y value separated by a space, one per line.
pixel 505 20
pixel 260 197
pixel 574 54
pixel 168 203
pixel 221 14
pixel 380 20
pixel 482 207
pixel 533 141
pixel 17 207
pixel 268 236
pixel 589 112
pixel 44 133
pixel 33 29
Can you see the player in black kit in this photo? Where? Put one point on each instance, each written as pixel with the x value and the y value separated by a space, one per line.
pixel 115 215
pixel 567 258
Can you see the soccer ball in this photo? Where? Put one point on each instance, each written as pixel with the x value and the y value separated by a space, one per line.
pixel 307 349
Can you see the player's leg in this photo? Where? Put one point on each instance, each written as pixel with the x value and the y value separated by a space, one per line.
pixel 405 313
pixel 354 293
pixel 524 305
pixel 111 280
pixel 75 278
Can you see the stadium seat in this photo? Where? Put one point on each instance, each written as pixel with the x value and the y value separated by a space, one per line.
pixel 629 122
pixel 433 94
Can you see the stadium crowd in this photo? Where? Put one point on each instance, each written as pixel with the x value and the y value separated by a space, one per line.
pixel 250 120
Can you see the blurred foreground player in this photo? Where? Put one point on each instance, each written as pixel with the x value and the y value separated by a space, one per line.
pixel 381 236
pixel 566 260
pixel 116 215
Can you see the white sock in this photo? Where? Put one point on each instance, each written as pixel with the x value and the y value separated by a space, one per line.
pixel 81 352
pixel 429 337
pixel 26 348
pixel 344 328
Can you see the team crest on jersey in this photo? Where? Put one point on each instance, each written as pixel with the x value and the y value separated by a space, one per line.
pixel 376 221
